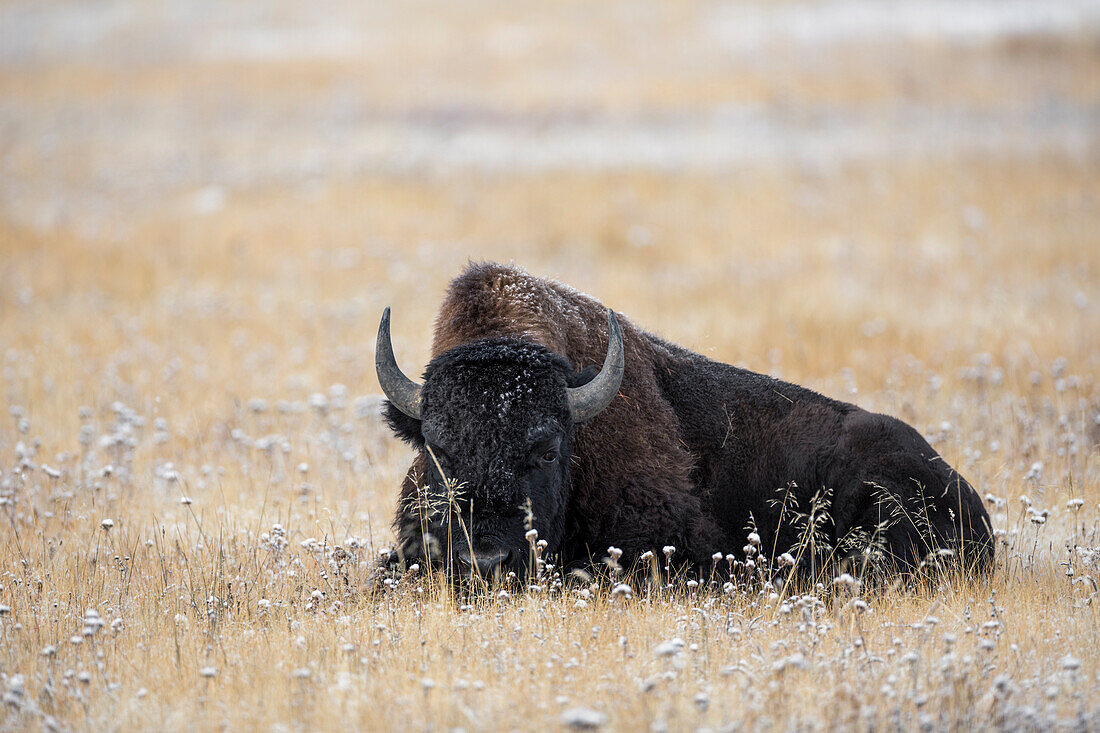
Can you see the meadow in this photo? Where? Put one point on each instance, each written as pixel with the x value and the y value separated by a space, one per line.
pixel 196 485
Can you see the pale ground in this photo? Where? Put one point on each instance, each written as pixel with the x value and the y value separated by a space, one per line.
pixel 205 207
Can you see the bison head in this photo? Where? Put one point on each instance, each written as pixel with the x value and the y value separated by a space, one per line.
pixel 494 419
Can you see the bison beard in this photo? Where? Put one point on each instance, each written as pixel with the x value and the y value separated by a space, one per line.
pixel 690 452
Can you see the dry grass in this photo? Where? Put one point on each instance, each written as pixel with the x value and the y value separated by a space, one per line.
pixel 194 365
pixel 206 366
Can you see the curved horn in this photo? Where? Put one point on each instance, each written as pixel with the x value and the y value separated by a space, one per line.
pixel 586 402
pixel 401 391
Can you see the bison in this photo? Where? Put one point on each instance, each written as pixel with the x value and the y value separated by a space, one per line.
pixel 516 426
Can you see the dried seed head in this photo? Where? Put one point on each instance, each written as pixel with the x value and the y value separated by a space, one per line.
pixel 622 590
pixel 583 718
pixel 845 580
pixel 670 647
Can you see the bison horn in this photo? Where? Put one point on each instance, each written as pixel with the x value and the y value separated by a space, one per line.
pixel 586 402
pixel 401 391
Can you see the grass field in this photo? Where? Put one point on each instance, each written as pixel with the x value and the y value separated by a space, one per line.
pixel 197 239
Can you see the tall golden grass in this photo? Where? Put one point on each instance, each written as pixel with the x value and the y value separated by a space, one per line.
pixel 176 386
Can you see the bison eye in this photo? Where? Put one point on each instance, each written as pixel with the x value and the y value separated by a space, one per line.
pixel 439 455
pixel 549 456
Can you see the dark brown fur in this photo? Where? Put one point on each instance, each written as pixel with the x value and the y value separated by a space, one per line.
pixel 693 453
pixel 631 473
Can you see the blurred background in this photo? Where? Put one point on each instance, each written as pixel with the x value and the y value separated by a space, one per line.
pixel 113 107
pixel 204 203
pixel 118 105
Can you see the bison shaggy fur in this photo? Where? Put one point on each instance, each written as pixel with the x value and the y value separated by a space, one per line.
pixel 691 453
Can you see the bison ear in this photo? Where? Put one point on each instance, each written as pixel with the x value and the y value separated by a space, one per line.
pixel 406 428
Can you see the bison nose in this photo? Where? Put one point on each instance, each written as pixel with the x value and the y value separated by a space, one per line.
pixel 483 562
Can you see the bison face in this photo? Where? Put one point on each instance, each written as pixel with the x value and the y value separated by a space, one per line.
pixel 494 422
